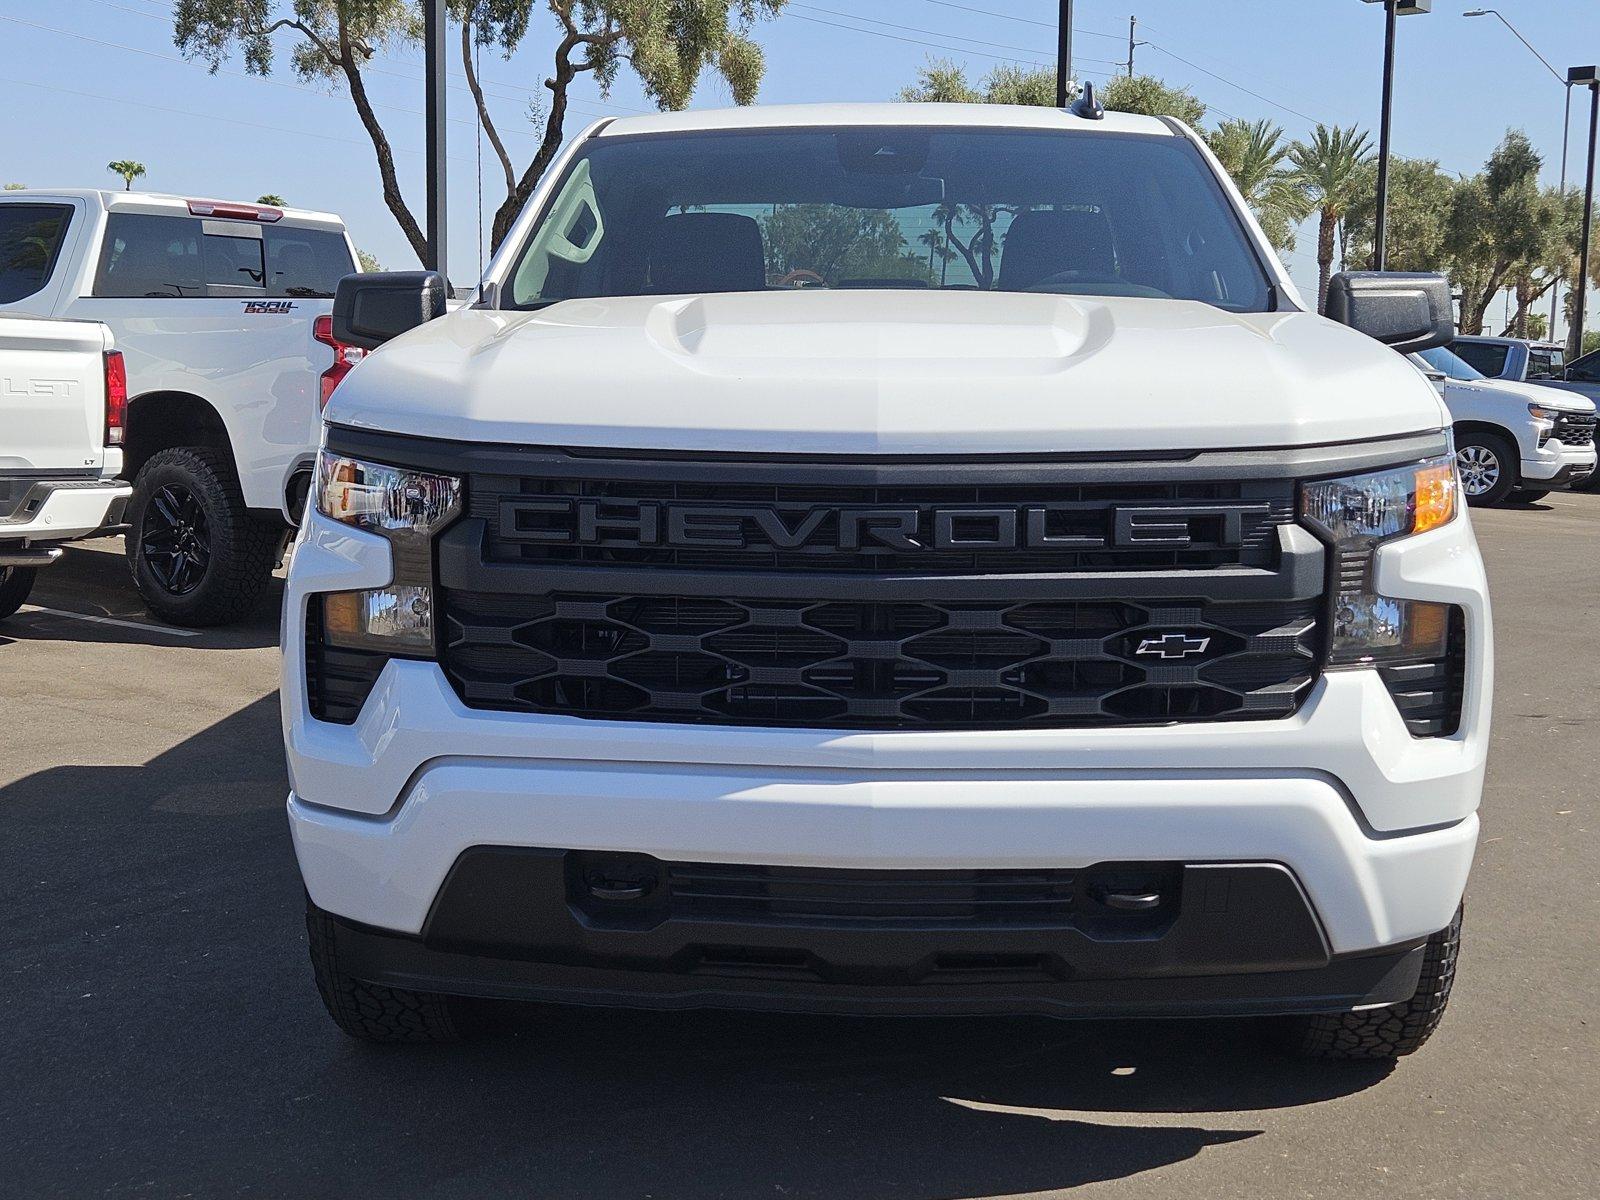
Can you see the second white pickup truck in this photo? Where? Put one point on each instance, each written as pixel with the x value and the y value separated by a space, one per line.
pixel 223 312
pixel 63 404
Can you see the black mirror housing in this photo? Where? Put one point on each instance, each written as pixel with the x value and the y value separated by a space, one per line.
pixel 1405 311
pixel 369 310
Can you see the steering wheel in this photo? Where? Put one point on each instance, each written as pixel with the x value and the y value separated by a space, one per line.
pixel 1063 279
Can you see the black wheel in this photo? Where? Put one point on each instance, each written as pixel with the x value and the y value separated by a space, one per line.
pixel 367 1011
pixel 15 584
pixel 197 555
pixel 1488 466
pixel 1390 1032
pixel 1527 496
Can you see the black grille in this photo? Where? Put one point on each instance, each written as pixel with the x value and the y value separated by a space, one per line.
pixel 881 665
pixel 338 681
pixel 803 895
pixel 1575 429
pixel 1429 693
pixel 1016 527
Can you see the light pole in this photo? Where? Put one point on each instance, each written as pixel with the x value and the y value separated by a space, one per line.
pixel 434 119
pixel 1566 129
pixel 1064 54
pixel 1588 77
pixel 1380 227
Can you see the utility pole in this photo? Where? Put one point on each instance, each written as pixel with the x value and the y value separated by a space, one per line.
pixel 1380 227
pixel 1392 9
pixel 1587 77
pixel 434 118
pixel 1064 54
pixel 1133 25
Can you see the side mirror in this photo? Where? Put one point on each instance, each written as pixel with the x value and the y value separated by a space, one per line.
pixel 369 310
pixel 1409 312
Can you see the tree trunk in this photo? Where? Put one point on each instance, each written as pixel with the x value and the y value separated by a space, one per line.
pixel 554 130
pixel 380 145
pixel 1326 228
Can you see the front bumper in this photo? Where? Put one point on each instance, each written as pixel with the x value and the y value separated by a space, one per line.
pixel 1557 465
pixel 1375 828
pixel 59 510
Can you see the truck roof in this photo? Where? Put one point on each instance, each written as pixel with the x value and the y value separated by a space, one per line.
pixel 800 116
pixel 1509 341
pixel 114 200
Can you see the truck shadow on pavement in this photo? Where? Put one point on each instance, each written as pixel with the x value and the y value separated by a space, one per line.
pixel 88 597
pixel 163 1035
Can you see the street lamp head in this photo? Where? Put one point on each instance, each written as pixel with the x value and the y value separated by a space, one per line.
pixel 1478 12
pixel 1407 8
pixel 1583 77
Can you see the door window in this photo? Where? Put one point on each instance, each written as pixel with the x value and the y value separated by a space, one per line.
pixel 30 242
pixel 1585 369
pixel 1487 357
pixel 1544 363
pixel 150 256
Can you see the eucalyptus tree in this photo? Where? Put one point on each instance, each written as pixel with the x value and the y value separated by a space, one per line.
pixel 668 45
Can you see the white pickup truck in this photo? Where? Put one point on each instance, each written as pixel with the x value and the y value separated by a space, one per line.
pixel 63 396
pixel 222 311
pixel 730 607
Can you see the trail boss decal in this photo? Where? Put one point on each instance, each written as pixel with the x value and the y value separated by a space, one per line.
pixel 259 308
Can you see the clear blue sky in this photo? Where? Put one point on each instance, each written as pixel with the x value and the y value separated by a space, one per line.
pixel 119 89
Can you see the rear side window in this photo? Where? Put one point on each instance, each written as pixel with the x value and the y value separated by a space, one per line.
pixel 147 255
pixel 30 242
pixel 306 262
pixel 1484 356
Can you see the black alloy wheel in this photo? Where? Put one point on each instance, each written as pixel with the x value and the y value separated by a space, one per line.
pixel 175 539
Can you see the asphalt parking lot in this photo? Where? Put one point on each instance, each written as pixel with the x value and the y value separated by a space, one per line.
pixel 160 1035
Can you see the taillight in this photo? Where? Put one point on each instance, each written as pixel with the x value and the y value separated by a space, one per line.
pixel 344 357
pixel 116 397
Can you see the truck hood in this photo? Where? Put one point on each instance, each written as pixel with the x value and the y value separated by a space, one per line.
pixel 1538 393
pixel 872 372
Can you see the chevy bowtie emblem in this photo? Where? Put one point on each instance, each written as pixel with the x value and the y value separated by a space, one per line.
pixel 1174 645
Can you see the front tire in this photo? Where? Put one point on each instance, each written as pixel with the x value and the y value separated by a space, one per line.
pixel 1390 1032
pixel 369 1012
pixel 196 554
pixel 1488 466
pixel 1527 496
pixel 15 584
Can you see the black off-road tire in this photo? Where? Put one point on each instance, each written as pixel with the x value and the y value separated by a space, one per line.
pixel 239 547
pixel 1477 450
pixel 1384 1033
pixel 368 1012
pixel 15 584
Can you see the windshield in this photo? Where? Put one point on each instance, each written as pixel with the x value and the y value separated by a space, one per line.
pixel 1443 360
pixel 972 209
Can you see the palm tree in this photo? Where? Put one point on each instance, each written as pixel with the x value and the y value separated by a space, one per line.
pixel 1328 170
pixel 272 198
pixel 1253 155
pixel 128 169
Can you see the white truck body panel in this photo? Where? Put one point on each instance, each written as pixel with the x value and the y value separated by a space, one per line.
pixel 57 476
pixel 52 395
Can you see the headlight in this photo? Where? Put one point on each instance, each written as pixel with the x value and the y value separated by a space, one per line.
pixel 1360 513
pixel 407 507
pixel 385 499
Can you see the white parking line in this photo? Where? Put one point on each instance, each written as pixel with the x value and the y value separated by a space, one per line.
pixel 78 616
